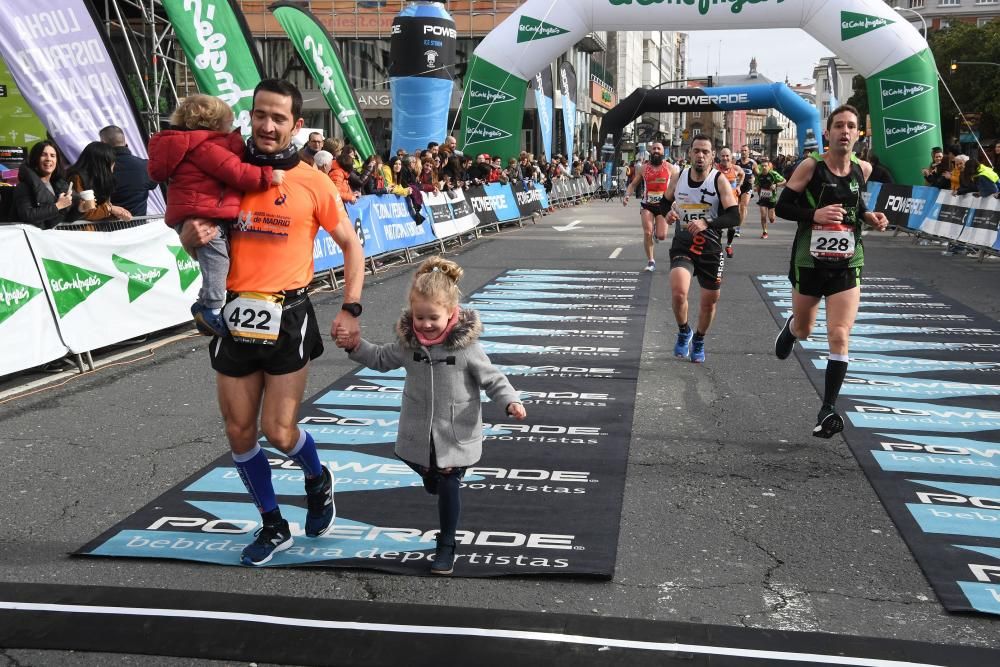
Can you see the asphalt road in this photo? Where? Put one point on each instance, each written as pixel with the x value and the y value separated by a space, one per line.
pixel 733 514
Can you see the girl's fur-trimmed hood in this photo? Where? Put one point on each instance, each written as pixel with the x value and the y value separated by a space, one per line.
pixel 466 331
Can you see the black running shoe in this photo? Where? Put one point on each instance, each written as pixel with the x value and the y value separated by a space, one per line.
pixel 321 510
pixel 444 557
pixel 828 422
pixel 785 341
pixel 271 538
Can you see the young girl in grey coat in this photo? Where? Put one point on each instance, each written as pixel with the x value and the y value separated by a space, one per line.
pixel 441 422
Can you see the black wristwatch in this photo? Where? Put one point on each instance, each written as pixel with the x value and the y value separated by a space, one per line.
pixel 353 308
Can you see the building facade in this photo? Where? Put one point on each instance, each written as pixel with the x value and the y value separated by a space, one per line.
pixel 939 14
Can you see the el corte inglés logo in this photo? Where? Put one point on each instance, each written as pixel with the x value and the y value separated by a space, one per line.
pixel 704 6
pixel 141 278
pixel 478 132
pixel 482 95
pixel 897 92
pixel 13 296
pixel 71 285
pixel 852 25
pixel 898 130
pixel 187 268
pixel 529 30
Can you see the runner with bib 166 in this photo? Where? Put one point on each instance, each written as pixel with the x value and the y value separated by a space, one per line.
pixel 824 196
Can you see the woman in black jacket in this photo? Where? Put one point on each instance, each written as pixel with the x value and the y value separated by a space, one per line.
pixel 43 197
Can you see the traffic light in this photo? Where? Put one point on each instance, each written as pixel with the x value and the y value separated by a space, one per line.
pixel 954 66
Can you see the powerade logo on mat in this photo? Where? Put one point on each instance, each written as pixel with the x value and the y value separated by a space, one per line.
pixel 853 25
pixel 13 296
pixel 897 92
pixel 897 130
pixel 704 6
pixel 71 285
pixel 936 455
pixel 529 30
pixel 923 417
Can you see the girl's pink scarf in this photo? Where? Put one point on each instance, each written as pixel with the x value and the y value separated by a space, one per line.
pixel 427 342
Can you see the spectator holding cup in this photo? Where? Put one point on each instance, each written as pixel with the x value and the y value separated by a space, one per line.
pixel 91 176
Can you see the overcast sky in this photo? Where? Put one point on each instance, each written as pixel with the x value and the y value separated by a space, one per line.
pixel 790 52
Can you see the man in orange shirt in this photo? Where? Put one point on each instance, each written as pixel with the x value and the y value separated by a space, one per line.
pixel 261 367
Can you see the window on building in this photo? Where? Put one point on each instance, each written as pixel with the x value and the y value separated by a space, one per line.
pixel 943 24
pixel 949 3
pixel 826 110
pixel 987 2
pixel 980 22
pixel 916 4
pixel 696 114
pixel 826 85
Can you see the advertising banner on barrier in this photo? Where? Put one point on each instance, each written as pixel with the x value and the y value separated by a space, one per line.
pixel 948 216
pixel 982 227
pixel 543 196
pixel 529 200
pixel 27 323
pixel 111 286
pixel 68 75
pixel 382 223
pixel 461 211
pixel 501 199
pixel 904 205
pixel 484 214
pixel 442 220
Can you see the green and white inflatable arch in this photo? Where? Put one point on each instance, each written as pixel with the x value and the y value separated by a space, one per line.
pixel 867 34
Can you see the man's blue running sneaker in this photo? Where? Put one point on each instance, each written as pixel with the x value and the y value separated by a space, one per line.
pixel 683 342
pixel 271 538
pixel 207 322
pixel 321 510
pixel 698 351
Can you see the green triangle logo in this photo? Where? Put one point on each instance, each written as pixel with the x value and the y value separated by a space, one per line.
pixel 141 278
pixel 530 30
pixel 13 296
pixel 187 268
pixel 479 132
pixel 852 25
pixel 897 92
pixel 483 95
pixel 71 285
pixel 897 130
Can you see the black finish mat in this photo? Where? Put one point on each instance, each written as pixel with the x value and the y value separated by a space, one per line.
pixel 546 497
pixel 921 404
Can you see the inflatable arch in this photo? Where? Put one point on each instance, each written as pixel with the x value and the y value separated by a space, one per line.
pixel 867 34
pixel 724 98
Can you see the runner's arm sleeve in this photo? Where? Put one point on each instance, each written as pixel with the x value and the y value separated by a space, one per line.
pixel 729 218
pixel 788 207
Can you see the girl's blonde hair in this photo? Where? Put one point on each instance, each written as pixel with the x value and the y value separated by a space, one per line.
pixel 437 281
pixel 203 112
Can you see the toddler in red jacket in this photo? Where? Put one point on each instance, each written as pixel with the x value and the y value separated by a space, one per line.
pixel 201 159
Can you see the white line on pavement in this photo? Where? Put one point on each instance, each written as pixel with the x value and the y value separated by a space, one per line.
pixel 614 255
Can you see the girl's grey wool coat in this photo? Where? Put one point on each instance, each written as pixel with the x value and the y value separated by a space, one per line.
pixel 441 392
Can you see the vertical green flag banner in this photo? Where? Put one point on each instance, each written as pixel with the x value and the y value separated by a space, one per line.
pixel 869 35
pixel 492 110
pixel 315 47
pixel 220 53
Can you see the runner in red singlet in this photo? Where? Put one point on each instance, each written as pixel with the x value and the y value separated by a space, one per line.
pixel 657 174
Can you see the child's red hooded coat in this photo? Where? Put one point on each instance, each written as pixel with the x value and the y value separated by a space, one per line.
pixel 206 175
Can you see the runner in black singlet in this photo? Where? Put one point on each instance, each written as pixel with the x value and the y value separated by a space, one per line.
pixel 824 196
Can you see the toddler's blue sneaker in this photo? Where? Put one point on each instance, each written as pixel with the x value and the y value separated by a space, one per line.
pixel 207 322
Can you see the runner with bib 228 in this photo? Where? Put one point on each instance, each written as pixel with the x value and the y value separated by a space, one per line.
pixel 824 196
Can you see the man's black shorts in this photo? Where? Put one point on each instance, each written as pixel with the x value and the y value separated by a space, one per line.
pixel 299 341
pixel 746 186
pixel 707 268
pixel 658 208
pixel 767 203
pixel 821 281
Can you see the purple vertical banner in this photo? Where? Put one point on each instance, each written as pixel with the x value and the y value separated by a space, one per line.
pixel 61 63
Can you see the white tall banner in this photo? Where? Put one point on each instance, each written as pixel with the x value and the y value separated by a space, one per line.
pixel 27 321
pixel 983 225
pixel 57 56
pixel 106 287
pixel 465 217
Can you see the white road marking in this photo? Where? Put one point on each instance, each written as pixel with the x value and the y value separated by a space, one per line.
pixel 461 632
pixel 614 255
pixel 570 227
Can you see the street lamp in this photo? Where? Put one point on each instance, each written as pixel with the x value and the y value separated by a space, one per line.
pixel 919 16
